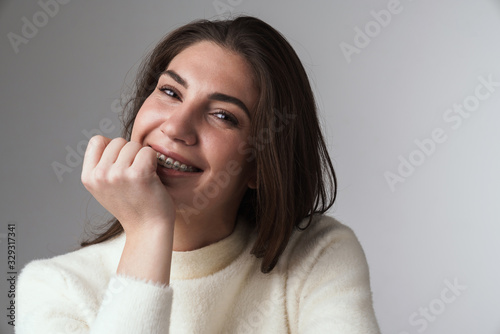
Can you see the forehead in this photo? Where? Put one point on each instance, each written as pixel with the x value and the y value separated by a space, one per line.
pixel 208 66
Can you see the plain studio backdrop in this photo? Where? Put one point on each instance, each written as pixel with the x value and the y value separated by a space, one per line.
pixel 409 98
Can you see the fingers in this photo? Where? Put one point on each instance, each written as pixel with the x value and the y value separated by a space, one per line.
pixel 93 153
pixel 122 177
pixel 127 154
pixel 145 159
pixel 105 155
pixel 95 148
pixel 111 152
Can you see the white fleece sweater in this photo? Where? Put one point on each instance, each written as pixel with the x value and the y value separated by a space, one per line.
pixel 320 285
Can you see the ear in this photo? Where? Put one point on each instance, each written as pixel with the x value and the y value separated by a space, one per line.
pixel 252 182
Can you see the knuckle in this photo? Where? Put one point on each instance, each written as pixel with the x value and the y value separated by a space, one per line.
pixel 115 177
pixel 138 175
pixel 100 174
pixel 133 174
pixel 84 180
pixel 87 182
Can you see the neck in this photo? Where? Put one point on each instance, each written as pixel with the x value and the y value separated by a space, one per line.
pixel 196 229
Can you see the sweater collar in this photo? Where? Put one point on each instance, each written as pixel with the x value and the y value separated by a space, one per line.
pixel 212 258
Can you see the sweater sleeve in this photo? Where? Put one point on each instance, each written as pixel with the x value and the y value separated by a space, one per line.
pixel 333 285
pixel 54 299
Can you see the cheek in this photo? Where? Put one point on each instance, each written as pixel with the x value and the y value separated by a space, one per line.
pixel 137 129
pixel 228 147
pixel 221 151
pixel 234 163
pixel 143 124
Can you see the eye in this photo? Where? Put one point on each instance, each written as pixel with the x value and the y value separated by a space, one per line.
pixel 170 92
pixel 226 117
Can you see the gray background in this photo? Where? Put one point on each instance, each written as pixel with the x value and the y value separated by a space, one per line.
pixel 441 224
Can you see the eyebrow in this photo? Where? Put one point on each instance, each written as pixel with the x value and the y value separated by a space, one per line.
pixel 231 99
pixel 214 96
pixel 177 78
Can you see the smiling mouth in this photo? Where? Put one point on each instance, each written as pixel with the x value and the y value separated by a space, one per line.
pixel 170 163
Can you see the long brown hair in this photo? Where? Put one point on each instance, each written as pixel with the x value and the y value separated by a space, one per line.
pixel 295 176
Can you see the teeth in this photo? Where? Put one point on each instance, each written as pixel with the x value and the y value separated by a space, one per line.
pixel 173 164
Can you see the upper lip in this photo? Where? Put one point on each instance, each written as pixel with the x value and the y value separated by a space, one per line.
pixel 173 155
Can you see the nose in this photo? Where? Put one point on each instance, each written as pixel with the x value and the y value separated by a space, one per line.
pixel 180 125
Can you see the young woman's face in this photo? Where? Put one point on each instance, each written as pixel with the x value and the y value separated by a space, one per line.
pixel 199 115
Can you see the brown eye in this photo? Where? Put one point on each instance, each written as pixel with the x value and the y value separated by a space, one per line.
pixel 169 91
pixel 227 117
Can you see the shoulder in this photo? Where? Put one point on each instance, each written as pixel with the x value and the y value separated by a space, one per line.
pixel 326 248
pixel 324 232
pixel 328 280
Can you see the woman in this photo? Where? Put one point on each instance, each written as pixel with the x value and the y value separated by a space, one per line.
pixel 218 194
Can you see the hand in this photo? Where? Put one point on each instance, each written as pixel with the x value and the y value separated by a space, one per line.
pixel 122 177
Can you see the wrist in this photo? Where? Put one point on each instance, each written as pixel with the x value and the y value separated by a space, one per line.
pixel 156 229
pixel 147 254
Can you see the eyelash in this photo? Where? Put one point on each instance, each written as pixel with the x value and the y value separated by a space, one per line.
pixel 229 117
pixel 165 88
